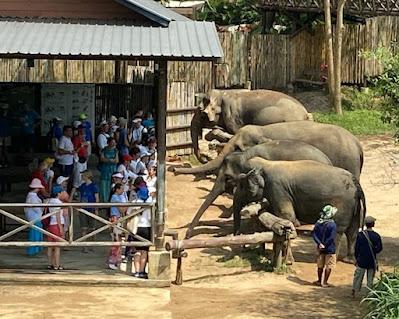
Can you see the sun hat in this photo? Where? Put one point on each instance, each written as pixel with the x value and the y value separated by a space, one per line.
pixel 117 175
pixel 152 163
pixel 82 116
pixel 145 153
pixel 57 189
pixel 327 213
pixel 369 220
pixel 61 179
pixel 36 183
pixel 127 158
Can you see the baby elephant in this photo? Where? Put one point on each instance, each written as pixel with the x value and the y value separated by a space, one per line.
pixel 298 190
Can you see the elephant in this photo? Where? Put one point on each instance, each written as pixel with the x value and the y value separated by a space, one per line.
pixel 341 147
pixel 298 190
pixel 232 109
pixel 234 164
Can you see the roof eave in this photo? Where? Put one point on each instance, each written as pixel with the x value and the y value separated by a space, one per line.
pixel 162 21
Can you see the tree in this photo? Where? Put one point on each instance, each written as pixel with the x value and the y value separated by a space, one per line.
pixel 334 53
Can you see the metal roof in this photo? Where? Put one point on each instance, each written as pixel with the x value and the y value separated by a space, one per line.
pixel 153 10
pixel 181 40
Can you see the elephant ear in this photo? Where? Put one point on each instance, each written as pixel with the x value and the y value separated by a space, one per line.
pixel 255 181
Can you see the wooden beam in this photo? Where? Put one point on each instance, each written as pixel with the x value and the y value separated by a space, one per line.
pixel 161 68
pixel 257 238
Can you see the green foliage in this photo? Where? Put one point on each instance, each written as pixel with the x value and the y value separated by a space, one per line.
pixel 387 83
pixel 382 301
pixel 231 12
pixel 358 122
pixel 366 98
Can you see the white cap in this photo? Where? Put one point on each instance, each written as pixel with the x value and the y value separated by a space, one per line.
pixel 61 179
pixel 137 120
pixel 76 124
pixel 117 175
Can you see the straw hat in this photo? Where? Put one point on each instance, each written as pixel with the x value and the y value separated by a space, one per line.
pixel 36 183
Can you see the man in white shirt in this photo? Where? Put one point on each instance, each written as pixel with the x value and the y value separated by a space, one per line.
pixel 137 132
pixel 65 153
pixel 102 138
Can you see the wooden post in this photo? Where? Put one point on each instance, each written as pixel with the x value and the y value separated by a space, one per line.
pixel 162 87
pixel 278 253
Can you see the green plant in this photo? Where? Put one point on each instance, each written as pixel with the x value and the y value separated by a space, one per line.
pixel 382 302
pixel 227 12
pixel 366 98
pixel 387 83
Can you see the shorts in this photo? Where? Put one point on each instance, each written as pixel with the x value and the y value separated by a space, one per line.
pixel 55 230
pixel 144 232
pixel 327 261
pixel 86 221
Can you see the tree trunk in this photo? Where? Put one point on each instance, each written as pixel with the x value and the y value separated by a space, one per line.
pixel 330 50
pixel 338 57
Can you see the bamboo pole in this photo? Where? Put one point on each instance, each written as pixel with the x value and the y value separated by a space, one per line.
pixel 330 50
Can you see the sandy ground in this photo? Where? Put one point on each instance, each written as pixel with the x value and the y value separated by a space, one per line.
pixel 210 289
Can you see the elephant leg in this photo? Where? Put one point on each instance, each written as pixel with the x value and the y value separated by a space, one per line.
pixel 338 244
pixel 285 210
pixel 351 241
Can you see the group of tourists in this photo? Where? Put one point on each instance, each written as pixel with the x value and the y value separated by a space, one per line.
pixel 127 158
pixel 368 245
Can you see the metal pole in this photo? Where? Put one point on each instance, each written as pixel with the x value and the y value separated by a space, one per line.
pixel 70 212
pixel 162 86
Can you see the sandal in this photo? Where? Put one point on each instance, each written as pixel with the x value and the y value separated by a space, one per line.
pixel 50 267
pixel 59 268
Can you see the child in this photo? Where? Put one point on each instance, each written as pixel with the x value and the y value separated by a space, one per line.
pixel 143 230
pixel 116 213
pixel 88 194
pixel 56 227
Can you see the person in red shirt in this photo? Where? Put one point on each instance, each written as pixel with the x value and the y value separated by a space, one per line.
pixel 39 174
pixel 79 143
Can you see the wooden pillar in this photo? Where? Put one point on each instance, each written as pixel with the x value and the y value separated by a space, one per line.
pixel 161 68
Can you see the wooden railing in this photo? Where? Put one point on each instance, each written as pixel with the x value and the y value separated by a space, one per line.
pixel 74 209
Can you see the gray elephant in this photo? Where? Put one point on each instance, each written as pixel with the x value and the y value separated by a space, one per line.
pixel 234 164
pixel 341 147
pixel 297 190
pixel 232 109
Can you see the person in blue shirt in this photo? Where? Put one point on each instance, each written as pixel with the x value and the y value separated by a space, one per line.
pixel 88 194
pixel 368 245
pixel 324 234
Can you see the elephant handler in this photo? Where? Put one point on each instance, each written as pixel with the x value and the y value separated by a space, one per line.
pixel 368 245
pixel 324 234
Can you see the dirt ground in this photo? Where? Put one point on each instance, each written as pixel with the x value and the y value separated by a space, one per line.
pixel 211 290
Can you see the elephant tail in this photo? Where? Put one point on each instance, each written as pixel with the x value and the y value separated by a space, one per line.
pixel 360 207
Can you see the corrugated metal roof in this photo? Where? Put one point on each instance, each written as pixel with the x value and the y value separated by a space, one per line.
pixel 153 10
pixel 180 40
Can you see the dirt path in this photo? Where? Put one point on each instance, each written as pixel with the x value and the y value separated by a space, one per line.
pixel 213 291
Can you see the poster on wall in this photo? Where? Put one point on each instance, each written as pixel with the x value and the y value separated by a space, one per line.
pixel 66 101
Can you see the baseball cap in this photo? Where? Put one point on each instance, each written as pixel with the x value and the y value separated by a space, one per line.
pixel 57 189
pixel 127 158
pixel 61 179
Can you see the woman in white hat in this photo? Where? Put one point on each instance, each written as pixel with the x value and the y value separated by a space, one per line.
pixel 33 213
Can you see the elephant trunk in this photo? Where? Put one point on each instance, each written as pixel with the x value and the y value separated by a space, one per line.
pixel 212 165
pixel 217 190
